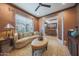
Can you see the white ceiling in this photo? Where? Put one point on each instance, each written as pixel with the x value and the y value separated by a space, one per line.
pixel 42 11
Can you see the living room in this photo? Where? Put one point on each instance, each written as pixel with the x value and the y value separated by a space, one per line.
pixel 38 29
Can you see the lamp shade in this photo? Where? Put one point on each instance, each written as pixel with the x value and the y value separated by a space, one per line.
pixel 9 26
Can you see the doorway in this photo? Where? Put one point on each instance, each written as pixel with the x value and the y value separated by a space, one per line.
pixel 51 27
pixel 59 33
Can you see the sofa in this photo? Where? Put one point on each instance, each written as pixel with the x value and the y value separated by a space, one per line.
pixel 23 39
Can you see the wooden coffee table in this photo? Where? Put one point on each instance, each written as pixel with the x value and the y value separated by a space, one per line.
pixel 39 46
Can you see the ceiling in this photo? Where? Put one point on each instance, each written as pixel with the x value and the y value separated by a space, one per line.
pixel 42 11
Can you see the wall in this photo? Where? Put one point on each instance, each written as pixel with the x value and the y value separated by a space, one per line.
pixel 78 15
pixel 69 20
pixel 36 24
pixel 6 15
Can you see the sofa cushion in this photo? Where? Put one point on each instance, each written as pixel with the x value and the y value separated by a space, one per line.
pixel 30 34
pixel 36 33
pixel 25 34
pixel 26 38
pixel 20 35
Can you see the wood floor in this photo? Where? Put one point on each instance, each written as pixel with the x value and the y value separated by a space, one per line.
pixel 54 49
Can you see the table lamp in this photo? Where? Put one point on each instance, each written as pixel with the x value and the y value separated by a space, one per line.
pixel 9 27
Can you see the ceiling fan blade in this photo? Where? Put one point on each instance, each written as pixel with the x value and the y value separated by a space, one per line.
pixel 45 5
pixel 37 8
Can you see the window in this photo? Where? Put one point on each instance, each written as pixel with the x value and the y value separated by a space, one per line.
pixel 24 24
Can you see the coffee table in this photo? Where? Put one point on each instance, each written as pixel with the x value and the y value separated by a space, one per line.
pixel 38 47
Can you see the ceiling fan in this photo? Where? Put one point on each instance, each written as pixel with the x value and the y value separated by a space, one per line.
pixel 44 5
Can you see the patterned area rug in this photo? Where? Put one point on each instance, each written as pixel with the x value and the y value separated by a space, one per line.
pixel 55 48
